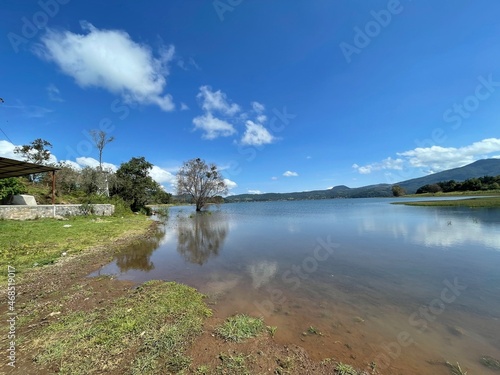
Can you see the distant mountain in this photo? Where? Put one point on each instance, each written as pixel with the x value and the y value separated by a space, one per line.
pixel 480 168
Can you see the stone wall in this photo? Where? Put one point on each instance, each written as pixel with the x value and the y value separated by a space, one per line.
pixel 59 210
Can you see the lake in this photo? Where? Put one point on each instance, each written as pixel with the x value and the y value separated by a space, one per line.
pixel 406 287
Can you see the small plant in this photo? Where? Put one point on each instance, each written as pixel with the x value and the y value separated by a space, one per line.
pixel 343 369
pixel 490 362
pixel 233 364
pixel 456 369
pixel 271 330
pixel 240 327
pixel 314 331
pixel 202 370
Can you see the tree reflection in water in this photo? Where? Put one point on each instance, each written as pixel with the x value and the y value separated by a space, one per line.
pixel 137 256
pixel 201 235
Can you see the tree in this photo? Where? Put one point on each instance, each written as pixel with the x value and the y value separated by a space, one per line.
pixel 37 152
pixel 200 181
pixel 134 184
pixel 398 191
pixel 100 141
pixel 10 186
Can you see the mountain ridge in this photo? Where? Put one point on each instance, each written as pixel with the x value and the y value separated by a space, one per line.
pixel 479 168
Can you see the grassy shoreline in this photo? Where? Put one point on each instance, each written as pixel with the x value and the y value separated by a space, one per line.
pixel 69 323
pixel 483 202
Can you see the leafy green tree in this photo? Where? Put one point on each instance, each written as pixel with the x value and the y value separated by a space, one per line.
pixel 134 184
pixel 10 186
pixel 200 181
pixel 36 152
pixel 398 191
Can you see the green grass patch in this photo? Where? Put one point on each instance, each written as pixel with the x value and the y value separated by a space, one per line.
pixel 343 369
pixel 26 243
pixel 487 202
pixel 233 364
pixel 240 327
pixel 146 332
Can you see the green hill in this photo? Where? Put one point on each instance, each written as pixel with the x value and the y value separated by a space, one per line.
pixel 480 168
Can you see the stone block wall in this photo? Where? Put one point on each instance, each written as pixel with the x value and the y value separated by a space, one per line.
pixel 13 212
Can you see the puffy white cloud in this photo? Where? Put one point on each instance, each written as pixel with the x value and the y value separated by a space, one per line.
pixel 436 158
pixel 251 191
pixel 388 163
pixel 212 101
pixel 213 126
pixel 439 158
pixel 256 134
pixel 7 150
pixel 85 161
pixel 110 59
pixel 258 107
pixel 162 176
pixel 184 107
pixel 290 174
pixel 230 184
pixel 72 164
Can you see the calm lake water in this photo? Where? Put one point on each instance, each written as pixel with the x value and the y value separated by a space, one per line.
pixel 406 287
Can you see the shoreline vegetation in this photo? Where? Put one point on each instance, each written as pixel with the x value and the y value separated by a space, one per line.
pixel 477 202
pixel 70 323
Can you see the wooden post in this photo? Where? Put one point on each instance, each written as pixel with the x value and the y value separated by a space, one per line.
pixel 54 187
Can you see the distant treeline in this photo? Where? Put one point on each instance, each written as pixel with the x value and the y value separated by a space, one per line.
pixel 471 184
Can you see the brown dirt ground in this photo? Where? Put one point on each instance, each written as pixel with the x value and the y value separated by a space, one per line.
pixel 47 293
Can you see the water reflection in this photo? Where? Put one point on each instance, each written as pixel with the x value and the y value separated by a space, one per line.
pixel 138 255
pixel 201 236
pixel 439 227
pixel 262 272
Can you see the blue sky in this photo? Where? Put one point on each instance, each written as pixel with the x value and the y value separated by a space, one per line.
pixel 281 95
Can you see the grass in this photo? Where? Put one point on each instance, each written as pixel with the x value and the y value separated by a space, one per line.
pixel 490 362
pixel 240 327
pixel 343 369
pixel 488 202
pixel 24 244
pixel 233 364
pixel 455 369
pixel 145 332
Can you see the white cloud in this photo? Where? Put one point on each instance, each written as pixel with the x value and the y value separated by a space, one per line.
pixel 213 127
pixel 110 59
pixel 216 101
pixel 7 150
pixel 258 107
pixel 256 134
pixel 72 164
pixel 436 158
pixel 161 176
pixel 388 163
pixel 184 107
pixel 54 93
pixel 30 111
pixel 230 184
pixel 274 178
pixel 290 174
pixel 251 191
pixel 439 158
pixel 85 161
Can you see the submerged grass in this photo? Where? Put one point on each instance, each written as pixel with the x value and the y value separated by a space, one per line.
pixel 25 244
pixel 488 202
pixel 240 327
pixel 146 332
